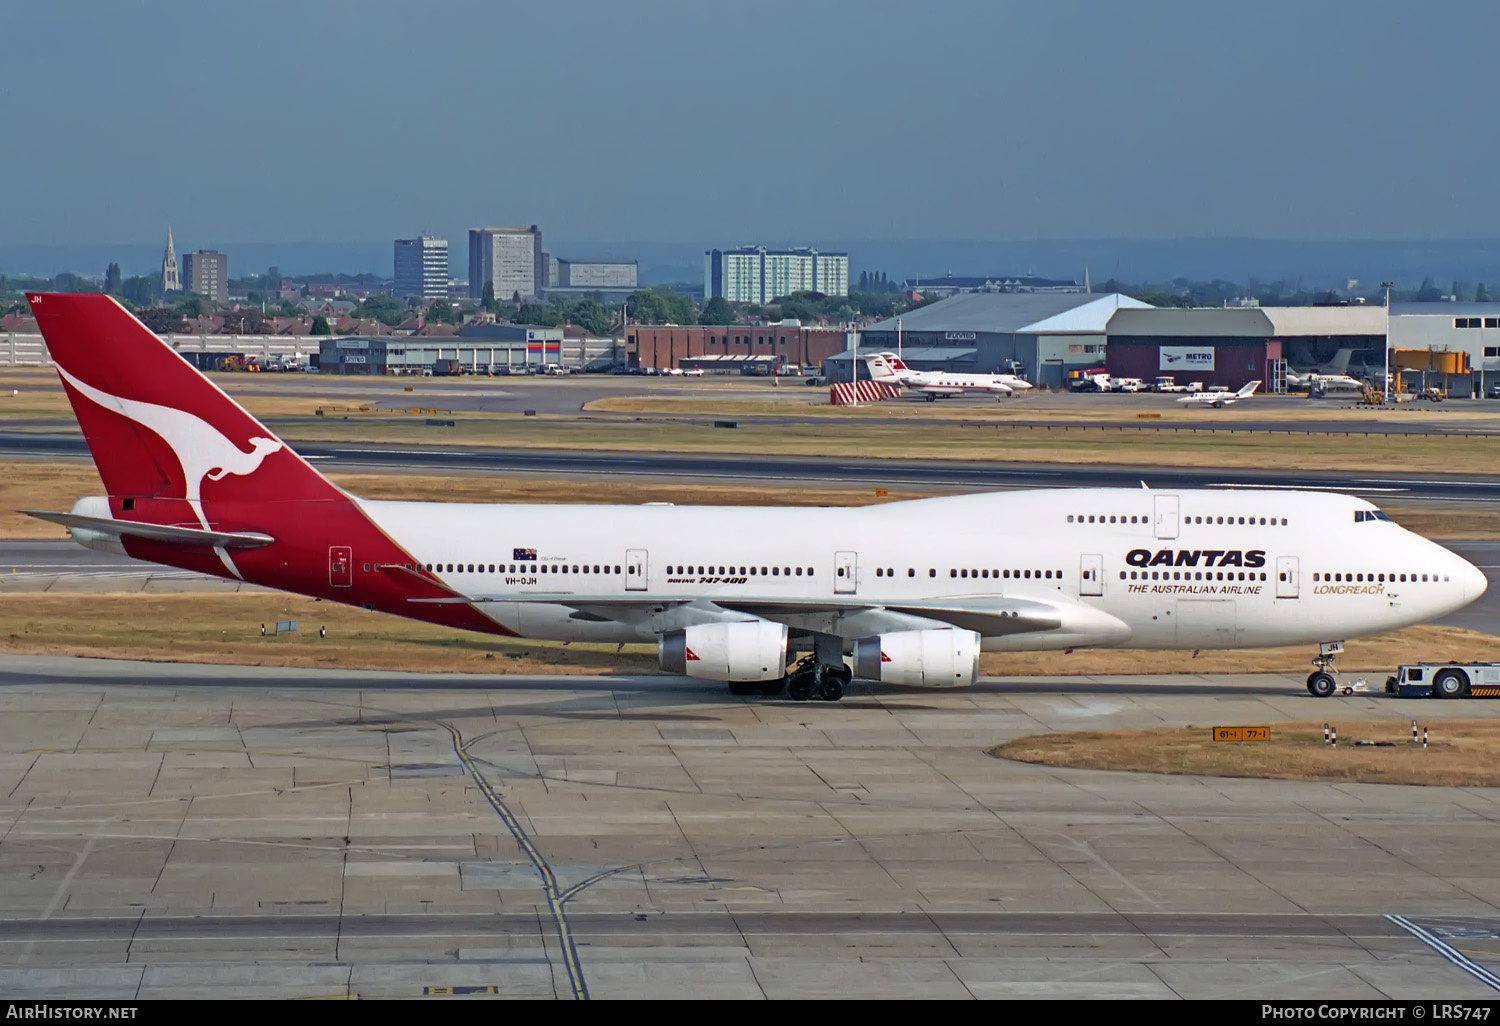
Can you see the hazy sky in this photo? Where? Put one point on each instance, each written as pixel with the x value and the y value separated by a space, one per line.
pixel 773 121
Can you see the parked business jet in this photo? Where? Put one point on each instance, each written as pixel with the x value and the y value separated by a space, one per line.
pixel 1221 397
pixel 1335 372
pixel 935 385
pixel 911 591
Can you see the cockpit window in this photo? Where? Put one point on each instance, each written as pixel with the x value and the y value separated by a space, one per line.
pixel 1361 515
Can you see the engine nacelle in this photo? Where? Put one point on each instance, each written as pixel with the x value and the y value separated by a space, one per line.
pixel 942 658
pixel 748 650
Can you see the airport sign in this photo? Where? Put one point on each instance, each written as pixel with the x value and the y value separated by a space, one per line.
pixel 1242 733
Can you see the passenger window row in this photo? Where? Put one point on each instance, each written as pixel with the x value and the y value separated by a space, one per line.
pixel 1122 519
pixel 1193 575
pixel 992 574
pixel 1344 578
pixel 521 568
pixel 1235 520
pixel 722 571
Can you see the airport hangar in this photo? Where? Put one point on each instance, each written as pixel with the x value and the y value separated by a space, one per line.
pixel 1051 337
pixel 1036 334
pixel 1229 346
pixel 1456 338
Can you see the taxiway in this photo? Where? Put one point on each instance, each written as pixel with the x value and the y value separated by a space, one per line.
pixel 169 830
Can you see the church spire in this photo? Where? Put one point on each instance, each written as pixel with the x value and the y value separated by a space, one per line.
pixel 170 282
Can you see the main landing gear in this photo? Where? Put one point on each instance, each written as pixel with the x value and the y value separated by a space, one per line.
pixel 1322 682
pixel 811 678
pixel 808 679
pixel 819 674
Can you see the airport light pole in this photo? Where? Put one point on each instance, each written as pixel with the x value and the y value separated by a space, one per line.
pixel 1387 285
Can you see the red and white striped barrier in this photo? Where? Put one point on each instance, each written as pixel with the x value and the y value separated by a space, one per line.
pixel 843 394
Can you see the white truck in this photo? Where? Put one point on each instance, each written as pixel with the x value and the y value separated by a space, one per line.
pixel 1444 680
pixel 1168 383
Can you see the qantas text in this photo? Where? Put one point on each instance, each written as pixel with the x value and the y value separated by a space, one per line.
pixel 1196 557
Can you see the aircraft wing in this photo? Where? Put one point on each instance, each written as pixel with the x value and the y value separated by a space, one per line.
pixel 986 616
pixel 991 616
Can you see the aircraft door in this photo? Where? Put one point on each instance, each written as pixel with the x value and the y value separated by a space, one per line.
pixel 636 565
pixel 1166 516
pixel 1286 577
pixel 340 566
pixel 1090 576
pixel 845 567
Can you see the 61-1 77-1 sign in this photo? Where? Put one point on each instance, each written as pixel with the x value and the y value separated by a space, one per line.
pixel 1242 733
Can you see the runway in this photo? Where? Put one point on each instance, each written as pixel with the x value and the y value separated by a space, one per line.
pixel 168 830
pixel 935 474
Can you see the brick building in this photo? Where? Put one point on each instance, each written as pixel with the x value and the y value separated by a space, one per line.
pixel 665 347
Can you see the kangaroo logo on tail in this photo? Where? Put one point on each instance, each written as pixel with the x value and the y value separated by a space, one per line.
pixel 202 450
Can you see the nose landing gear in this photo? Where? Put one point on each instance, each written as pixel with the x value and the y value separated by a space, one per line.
pixel 1322 681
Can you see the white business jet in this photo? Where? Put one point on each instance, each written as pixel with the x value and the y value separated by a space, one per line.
pixel 1221 397
pixel 935 385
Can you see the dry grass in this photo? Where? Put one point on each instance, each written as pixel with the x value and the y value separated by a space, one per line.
pixel 1447 524
pixel 27 484
pixel 605 490
pixel 1460 753
pixel 225 628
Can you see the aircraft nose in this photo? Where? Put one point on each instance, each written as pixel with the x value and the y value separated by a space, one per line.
pixel 1474 582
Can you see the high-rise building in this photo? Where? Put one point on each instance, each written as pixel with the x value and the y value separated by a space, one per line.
pixel 422 267
pixel 754 274
pixel 596 274
pixel 170 282
pixel 206 273
pixel 510 259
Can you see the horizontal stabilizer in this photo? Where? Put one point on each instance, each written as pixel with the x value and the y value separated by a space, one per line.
pixel 156 532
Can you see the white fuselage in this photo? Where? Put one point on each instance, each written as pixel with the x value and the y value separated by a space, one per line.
pixel 1112 567
pixel 1210 399
pixel 942 383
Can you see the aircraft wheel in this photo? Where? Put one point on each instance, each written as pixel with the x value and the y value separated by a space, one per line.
pixel 1450 684
pixel 831 688
pixel 799 688
pixel 1320 684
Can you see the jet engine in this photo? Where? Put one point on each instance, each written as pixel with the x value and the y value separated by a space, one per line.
pixel 942 658
pixel 748 650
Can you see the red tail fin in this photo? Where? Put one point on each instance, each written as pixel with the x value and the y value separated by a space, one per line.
pixel 175 451
pixel 165 439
